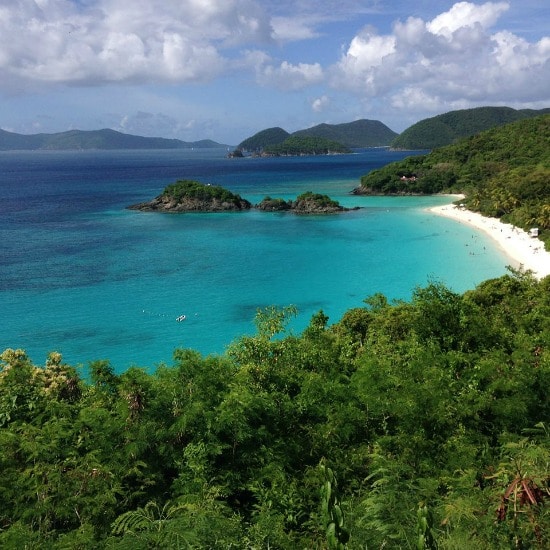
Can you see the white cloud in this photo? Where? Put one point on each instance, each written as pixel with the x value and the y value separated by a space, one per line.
pixel 116 40
pixel 290 77
pixel 320 104
pixel 292 29
pixel 466 14
pixel 452 60
pixel 73 59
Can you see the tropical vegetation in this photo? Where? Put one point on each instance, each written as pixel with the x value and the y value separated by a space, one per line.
pixel 412 424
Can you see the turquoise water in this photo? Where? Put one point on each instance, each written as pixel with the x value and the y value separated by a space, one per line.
pixel 82 275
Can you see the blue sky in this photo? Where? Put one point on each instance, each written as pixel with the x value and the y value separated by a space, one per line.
pixel 225 69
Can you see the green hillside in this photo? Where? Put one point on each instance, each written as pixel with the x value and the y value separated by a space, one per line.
pixel 360 133
pixel 448 128
pixel 305 145
pixel 94 139
pixel 504 172
pixel 265 138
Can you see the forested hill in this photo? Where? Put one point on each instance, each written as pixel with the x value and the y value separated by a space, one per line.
pixel 448 128
pixel 93 139
pixel 360 133
pixel 304 145
pixel 264 138
pixel 504 172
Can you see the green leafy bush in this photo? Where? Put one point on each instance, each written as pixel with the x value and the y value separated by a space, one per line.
pixel 432 415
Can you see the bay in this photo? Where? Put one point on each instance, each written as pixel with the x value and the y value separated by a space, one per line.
pixel 81 274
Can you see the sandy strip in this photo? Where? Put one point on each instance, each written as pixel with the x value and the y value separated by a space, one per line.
pixel 524 251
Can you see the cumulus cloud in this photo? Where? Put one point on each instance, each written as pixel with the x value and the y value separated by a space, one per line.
pixel 320 104
pixel 466 14
pixel 293 28
pixel 289 77
pixel 453 60
pixel 116 40
pixel 97 49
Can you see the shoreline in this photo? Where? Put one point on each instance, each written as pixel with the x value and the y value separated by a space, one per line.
pixel 524 251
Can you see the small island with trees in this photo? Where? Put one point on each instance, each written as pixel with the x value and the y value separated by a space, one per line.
pixel 306 203
pixel 192 196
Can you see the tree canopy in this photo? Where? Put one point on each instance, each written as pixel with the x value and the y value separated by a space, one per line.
pixel 421 424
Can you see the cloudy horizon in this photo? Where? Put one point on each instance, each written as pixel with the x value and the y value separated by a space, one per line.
pixel 206 69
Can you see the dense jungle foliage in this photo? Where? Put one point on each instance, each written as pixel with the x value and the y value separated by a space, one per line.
pixel 420 424
pixel 504 172
pixel 450 127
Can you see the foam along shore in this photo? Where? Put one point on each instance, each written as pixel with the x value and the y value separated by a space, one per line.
pixel 523 250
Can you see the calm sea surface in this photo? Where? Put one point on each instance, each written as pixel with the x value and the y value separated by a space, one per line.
pixel 82 275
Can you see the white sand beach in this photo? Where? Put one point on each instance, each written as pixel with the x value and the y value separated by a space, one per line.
pixel 523 250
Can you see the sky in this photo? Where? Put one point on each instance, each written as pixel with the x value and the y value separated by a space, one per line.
pixel 226 69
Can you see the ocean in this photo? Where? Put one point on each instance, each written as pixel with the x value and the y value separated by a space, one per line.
pixel 83 275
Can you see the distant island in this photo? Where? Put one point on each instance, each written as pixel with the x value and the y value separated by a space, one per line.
pixel 185 196
pixel 428 134
pixel 351 135
pixel 94 139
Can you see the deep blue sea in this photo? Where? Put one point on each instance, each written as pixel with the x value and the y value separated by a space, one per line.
pixel 81 274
